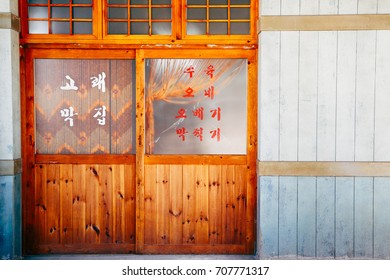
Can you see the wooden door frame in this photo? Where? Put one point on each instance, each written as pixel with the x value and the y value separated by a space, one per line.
pixel 140 158
pixel 251 141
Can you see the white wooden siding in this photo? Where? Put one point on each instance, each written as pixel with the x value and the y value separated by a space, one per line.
pixel 324 96
pixel 324 217
pixel 323 7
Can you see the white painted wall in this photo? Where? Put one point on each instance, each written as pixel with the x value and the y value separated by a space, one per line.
pixel 323 7
pixel 324 96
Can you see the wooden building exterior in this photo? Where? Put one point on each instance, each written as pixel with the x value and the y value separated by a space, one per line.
pixel 197 127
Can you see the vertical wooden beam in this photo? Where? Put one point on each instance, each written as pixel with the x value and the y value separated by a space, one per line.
pixel 140 149
pixel 252 154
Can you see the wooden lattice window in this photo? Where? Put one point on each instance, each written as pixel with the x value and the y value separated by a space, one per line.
pixel 139 17
pixel 218 17
pixel 60 16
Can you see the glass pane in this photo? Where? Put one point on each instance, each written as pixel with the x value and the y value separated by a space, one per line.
pixel 218 28
pixel 119 13
pixel 82 1
pixel 60 12
pixel 59 1
pixel 82 12
pixel 161 2
pixel 196 28
pixel 219 13
pixel 38 27
pixel 196 13
pixel 82 27
pixel 37 12
pixel 84 106
pixel 117 28
pixel 139 28
pixel 218 2
pixel 124 2
pixel 161 13
pixel 161 28
pixel 197 106
pixel 139 13
pixel 60 27
pixel 196 2
pixel 240 13
pixel 239 28
pixel 37 1
pixel 240 2
pixel 139 2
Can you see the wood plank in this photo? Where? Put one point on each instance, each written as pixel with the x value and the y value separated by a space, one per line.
pixel 189 204
pixel 364 218
pixel 290 7
pixel 202 205
pixel 269 216
pixel 289 87
pixel 130 198
pixel 162 192
pixel 140 151
pixel 381 218
pixel 52 227
pixel 102 248
pixel 215 204
pixel 309 7
pixel 383 7
pixel 382 99
pixel 85 159
pixel 308 91
pixel 365 95
pixel 325 245
pixel 240 195
pixel 105 199
pixel 40 203
pixel 325 22
pixel 66 197
pixel 269 97
pixel 93 228
pixel 79 202
pixel 346 94
pixel 367 7
pixel 327 83
pixel 328 7
pixel 229 185
pixel 150 205
pixel 176 205
pixel 348 7
pixel 312 168
pixel 195 249
pixel 118 201
pixel 307 187
pixel 344 205
pixel 270 7
pixel 288 217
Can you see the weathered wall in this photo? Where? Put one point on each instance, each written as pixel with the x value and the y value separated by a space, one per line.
pixel 10 148
pixel 324 96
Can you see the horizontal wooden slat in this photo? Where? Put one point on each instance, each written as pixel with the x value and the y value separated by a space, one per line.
pixel 85 249
pixel 308 168
pixel 324 22
pixel 195 159
pixel 194 249
pixel 85 159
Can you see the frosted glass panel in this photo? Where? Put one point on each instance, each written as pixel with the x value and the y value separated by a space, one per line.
pixel 196 106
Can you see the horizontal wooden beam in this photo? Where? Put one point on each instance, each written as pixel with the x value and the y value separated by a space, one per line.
pixel 9 21
pixel 333 169
pixel 324 23
pixel 196 159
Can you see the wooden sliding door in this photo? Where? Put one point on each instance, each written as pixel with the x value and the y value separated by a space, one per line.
pixel 139 151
